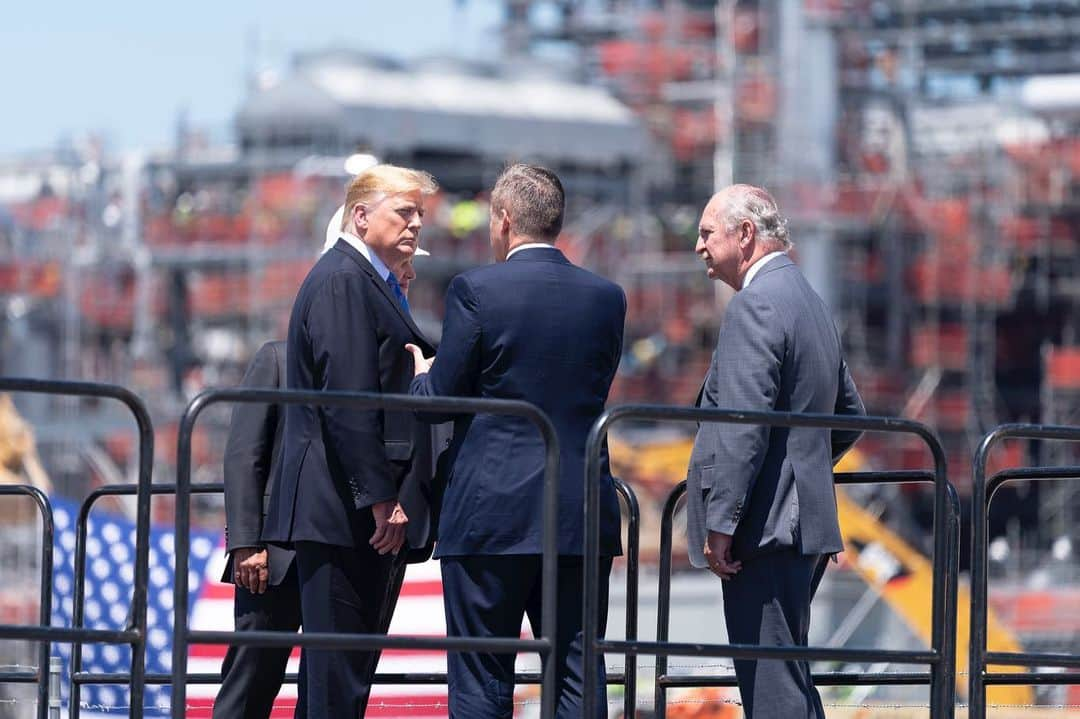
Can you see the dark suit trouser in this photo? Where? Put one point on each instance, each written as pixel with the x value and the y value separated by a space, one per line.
pixel 768 603
pixel 251 676
pixel 488 596
pixel 344 590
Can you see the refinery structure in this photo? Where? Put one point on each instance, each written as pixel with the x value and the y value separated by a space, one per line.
pixel 927 153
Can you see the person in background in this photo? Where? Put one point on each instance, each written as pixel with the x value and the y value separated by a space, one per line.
pixel 267 595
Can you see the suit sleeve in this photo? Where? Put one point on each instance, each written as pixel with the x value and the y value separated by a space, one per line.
pixel 746 375
pixel 848 402
pixel 457 364
pixel 248 453
pixel 345 350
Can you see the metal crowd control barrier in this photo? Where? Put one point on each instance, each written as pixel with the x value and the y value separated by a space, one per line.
pixel 78 677
pixel 665 681
pixel 134 633
pixel 982 493
pixel 941 657
pixel 41 676
pixel 183 636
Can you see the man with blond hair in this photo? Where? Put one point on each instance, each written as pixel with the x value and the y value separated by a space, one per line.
pixel 761 511
pixel 338 500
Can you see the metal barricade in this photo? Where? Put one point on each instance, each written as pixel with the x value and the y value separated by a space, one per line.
pixel 665 681
pixel 78 677
pixel 134 633
pixel 183 636
pixel 941 657
pixel 41 676
pixel 982 493
pixel 628 677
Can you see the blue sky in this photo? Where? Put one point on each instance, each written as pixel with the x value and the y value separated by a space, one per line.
pixel 125 68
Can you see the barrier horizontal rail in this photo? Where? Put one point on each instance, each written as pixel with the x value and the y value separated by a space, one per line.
pixel 182 635
pixel 983 490
pixel 941 657
pixel 135 631
pixel 403 678
pixel 666 681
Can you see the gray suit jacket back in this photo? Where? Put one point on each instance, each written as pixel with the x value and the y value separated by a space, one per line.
pixel 771 488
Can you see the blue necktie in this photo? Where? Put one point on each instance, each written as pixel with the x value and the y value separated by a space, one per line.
pixel 396 289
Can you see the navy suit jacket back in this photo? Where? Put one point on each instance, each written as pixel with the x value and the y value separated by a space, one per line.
pixel 347 332
pixel 539 329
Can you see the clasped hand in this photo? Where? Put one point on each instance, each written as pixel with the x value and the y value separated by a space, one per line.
pixel 390 521
pixel 251 569
pixel 718 555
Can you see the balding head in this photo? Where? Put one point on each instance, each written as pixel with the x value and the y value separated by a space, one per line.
pixel 737 203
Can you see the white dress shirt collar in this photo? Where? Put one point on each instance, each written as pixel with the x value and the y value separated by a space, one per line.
pixel 756 267
pixel 530 246
pixel 364 250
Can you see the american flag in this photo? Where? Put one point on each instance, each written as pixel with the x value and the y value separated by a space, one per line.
pixel 109 575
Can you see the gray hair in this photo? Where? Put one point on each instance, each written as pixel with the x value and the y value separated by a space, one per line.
pixel 534 198
pixel 746 202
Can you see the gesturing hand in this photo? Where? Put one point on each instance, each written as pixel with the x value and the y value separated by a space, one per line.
pixel 718 555
pixel 251 569
pixel 390 521
pixel 421 364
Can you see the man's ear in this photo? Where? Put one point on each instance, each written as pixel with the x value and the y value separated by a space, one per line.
pixel 504 222
pixel 746 233
pixel 360 218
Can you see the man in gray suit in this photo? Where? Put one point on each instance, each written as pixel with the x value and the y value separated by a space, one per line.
pixel 761 505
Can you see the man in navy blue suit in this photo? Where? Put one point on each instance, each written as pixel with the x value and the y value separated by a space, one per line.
pixel 531 327
pixel 345 472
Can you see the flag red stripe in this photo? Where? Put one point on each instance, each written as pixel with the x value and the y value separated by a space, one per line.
pixel 418 706
pixel 422 588
pixel 217 651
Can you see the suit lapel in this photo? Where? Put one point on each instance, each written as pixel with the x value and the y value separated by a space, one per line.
pixel 380 284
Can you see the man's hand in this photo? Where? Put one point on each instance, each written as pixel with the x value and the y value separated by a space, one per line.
pixel 421 364
pixel 390 521
pixel 251 569
pixel 718 555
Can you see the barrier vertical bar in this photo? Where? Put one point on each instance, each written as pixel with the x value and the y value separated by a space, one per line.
pixel 633 544
pixel 45 584
pixel 663 592
pixel 943 627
